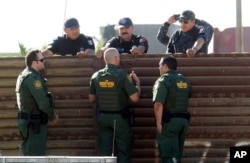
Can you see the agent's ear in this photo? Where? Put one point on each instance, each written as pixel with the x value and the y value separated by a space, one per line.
pixel 193 20
pixel 65 30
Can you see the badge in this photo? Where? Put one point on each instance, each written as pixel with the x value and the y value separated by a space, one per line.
pixel 37 84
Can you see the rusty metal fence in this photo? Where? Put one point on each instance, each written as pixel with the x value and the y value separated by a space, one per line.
pixel 219 106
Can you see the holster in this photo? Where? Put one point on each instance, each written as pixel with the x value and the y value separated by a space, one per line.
pixel 166 116
pixel 34 120
pixel 35 125
pixel 129 113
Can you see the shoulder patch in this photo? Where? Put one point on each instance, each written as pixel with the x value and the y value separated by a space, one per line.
pixel 37 84
pixel 142 40
pixel 90 42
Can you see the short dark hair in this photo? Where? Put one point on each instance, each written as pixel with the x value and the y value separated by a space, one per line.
pixel 31 56
pixel 170 61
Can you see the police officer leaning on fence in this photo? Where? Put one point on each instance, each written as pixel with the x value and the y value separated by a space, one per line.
pixel 192 38
pixel 35 105
pixel 112 88
pixel 170 97
pixel 72 42
pixel 126 42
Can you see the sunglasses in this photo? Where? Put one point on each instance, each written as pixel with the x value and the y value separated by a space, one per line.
pixel 183 21
pixel 41 60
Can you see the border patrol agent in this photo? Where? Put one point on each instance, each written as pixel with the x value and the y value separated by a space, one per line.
pixel 126 42
pixel 112 88
pixel 170 97
pixel 72 42
pixel 35 105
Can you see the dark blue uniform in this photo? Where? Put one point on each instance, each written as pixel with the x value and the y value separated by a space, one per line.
pixel 181 41
pixel 63 45
pixel 124 46
pixel 208 34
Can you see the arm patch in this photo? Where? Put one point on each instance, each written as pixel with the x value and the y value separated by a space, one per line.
pixel 37 84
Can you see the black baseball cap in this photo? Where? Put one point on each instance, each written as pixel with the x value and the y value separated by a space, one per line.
pixel 71 23
pixel 125 22
pixel 187 15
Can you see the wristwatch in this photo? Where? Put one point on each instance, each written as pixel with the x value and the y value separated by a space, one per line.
pixel 195 48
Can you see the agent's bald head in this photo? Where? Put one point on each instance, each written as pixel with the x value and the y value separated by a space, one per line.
pixel 111 55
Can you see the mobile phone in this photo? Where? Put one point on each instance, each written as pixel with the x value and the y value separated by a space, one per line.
pixel 176 16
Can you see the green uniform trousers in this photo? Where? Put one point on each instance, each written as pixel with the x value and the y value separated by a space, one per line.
pixel 33 144
pixel 123 136
pixel 171 140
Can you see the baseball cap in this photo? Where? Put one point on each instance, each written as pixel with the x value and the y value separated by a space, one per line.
pixel 71 23
pixel 187 15
pixel 125 22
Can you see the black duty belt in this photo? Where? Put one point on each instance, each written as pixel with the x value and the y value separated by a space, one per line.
pixel 180 115
pixel 110 112
pixel 42 117
pixel 166 116
pixel 23 115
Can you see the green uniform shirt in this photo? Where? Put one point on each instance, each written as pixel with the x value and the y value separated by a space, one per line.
pixel 112 86
pixel 31 92
pixel 172 90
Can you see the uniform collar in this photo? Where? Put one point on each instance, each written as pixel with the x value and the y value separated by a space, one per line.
pixel 78 38
pixel 33 70
pixel 171 72
pixel 192 31
pixel 131 40
pixel 111 66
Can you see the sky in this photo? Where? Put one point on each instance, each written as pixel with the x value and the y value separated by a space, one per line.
pixel 35 23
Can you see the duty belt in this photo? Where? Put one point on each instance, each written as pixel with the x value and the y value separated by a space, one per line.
pixel 166 116
pixel 23 115
pixel 42 117
pixel 180 115
pixel 110 112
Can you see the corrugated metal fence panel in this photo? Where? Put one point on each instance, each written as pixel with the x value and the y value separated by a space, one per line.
pixel 219 106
